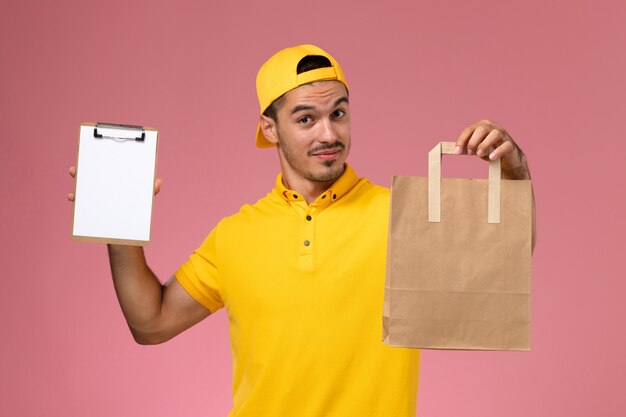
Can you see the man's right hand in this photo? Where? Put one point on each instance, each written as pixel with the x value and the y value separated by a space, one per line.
pixel 70 196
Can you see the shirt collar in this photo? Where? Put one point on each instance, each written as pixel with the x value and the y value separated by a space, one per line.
pixel 338 189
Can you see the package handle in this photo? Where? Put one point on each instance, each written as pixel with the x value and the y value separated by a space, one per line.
pixel 434 184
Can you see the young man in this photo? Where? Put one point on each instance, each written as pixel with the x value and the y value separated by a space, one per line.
pixel 300 272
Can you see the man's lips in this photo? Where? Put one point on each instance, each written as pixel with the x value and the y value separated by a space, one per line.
pixel 327 150
pixel 327 153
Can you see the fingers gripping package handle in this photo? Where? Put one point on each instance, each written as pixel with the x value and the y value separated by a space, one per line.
pixel 434 184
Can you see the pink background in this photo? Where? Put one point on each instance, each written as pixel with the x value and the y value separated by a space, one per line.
pixel 552 72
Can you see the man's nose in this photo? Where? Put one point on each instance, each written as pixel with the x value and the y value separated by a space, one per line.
pixel 328 133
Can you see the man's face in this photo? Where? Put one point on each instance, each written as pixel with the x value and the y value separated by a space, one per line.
pixel 313 132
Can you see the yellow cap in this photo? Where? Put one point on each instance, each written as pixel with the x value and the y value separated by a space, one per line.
pixel 278 75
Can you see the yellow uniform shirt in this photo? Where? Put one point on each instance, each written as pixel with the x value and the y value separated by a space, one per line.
pixel 303 288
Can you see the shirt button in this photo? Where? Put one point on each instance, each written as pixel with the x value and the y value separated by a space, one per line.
pixel 295 196
pixel 307 243
pixel 309 218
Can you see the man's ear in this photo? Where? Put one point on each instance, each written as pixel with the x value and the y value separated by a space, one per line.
pixel 269 127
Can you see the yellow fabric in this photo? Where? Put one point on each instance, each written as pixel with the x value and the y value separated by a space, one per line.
pixel 306 320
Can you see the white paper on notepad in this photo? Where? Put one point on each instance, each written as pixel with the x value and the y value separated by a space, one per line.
pixel 114 186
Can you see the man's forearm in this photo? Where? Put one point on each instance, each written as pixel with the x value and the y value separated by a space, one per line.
pixel 138 290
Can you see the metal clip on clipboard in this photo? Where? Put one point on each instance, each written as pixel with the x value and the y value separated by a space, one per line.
pixel 119 132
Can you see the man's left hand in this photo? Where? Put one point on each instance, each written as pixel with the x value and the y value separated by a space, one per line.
pixel 489 141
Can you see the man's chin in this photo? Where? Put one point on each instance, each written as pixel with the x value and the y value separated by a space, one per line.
pixel 334 170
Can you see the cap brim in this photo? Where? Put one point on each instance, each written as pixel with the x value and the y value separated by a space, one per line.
pixel 261 142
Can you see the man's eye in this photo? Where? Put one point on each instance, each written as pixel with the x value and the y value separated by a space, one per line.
pixel 338 113
pixel 304 120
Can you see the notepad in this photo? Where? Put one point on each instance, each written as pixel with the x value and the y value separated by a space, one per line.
pixel 115 183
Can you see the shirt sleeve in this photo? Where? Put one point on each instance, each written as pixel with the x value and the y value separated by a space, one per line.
pixel 199 275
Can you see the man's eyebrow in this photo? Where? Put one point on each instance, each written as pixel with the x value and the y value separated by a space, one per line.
pixel 343 99
pixel 302 107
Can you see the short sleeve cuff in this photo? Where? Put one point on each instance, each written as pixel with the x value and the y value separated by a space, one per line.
pixel 210 303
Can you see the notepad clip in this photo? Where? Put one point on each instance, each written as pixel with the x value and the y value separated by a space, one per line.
pixel 119 132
